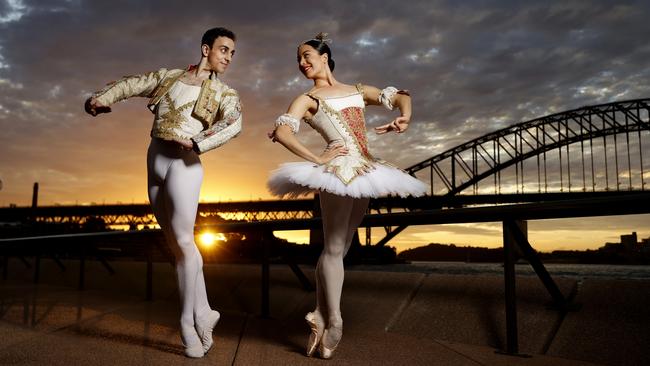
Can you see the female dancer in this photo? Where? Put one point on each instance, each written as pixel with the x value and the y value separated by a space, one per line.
pixel 345 174
pixel 194 112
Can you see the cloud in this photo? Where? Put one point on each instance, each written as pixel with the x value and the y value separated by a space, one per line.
pixel 472 67
pixel 12 11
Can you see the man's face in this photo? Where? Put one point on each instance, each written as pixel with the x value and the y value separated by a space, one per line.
pixel 220 54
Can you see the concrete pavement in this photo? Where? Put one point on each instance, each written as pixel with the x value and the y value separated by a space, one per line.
pixel 390 318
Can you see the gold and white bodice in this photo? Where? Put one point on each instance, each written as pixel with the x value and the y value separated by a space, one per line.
pixel 173 116
pixel 340 121
pixel 210 115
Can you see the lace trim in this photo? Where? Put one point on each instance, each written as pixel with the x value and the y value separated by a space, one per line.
pixel 387 96
pixel 289 120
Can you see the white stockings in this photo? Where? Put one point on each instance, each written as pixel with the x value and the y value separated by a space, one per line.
pixel 341 218
pixel 174 179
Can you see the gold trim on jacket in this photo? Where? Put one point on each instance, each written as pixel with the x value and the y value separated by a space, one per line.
pixel 216 103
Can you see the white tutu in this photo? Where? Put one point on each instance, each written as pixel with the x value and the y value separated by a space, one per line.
pixel 300 178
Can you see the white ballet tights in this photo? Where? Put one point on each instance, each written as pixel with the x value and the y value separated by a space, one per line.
pixel 341 218
pixel 174 179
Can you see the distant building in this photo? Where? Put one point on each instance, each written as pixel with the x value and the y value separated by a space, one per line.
pixel 630 242
pixel 612 248
pixel 645 245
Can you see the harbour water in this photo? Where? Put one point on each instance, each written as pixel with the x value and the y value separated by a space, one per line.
pixel 576 271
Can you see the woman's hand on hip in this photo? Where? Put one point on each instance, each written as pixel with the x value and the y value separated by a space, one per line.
pixel 332 152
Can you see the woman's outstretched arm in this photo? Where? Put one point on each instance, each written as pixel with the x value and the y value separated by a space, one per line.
pixel 390 97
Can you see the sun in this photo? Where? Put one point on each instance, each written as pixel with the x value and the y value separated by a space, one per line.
pixel 209 240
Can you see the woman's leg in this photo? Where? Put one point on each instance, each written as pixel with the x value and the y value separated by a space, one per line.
pixel 321 303
pixel 336 212
pixel 341 218
pixel 316 319
pixel 359 208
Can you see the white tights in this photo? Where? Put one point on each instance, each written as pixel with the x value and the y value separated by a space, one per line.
pixel 341 218
pixel 174 180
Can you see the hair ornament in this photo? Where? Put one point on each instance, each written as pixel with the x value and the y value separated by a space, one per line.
pixel 322 38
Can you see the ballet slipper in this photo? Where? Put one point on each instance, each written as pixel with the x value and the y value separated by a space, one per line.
pixel 326 351
pixel 204 327
pixel 192 345
pixel 316 325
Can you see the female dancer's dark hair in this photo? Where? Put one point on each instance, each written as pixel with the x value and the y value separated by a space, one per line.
pixel 321 46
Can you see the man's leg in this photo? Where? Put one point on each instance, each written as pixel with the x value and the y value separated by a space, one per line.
pixel 182 189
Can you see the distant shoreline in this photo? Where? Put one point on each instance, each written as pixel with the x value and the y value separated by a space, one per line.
pixel 435 252
pixel 570 270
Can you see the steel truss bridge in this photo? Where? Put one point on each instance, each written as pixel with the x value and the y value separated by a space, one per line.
pixel 596 148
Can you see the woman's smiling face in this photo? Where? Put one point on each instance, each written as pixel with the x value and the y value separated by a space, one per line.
pixel 310 62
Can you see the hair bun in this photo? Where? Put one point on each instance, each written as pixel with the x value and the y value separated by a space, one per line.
pixel 322 37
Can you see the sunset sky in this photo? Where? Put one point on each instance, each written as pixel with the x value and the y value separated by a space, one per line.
pixel 472 67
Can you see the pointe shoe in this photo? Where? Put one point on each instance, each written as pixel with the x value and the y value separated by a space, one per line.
pixel 317 325
pixel 194 350
pixel 204 328
pixel 327 351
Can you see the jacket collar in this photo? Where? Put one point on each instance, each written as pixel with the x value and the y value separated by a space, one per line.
pixel 213 74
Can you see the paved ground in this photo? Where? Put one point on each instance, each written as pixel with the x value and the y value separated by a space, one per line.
pixel 390 319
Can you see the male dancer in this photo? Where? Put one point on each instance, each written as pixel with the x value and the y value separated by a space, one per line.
pixel 193 112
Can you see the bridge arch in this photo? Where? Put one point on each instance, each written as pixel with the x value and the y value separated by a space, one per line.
pixel 466 165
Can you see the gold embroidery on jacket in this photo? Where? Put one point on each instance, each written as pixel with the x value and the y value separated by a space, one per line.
pixel 164 134
pixel 171 120
pixel 206 105
pixel 229 93
pixel 164 87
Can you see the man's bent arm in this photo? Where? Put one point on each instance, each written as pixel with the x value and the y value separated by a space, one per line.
pixel 224 129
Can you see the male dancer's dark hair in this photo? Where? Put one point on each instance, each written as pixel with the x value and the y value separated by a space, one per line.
pixel 211 34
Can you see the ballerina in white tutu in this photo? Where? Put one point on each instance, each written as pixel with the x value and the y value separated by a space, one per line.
pixel 345 174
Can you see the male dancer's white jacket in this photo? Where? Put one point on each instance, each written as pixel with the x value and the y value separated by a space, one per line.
pixel 218 107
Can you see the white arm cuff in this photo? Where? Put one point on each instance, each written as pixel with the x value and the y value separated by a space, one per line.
pixel 386 97
pixel 289 120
